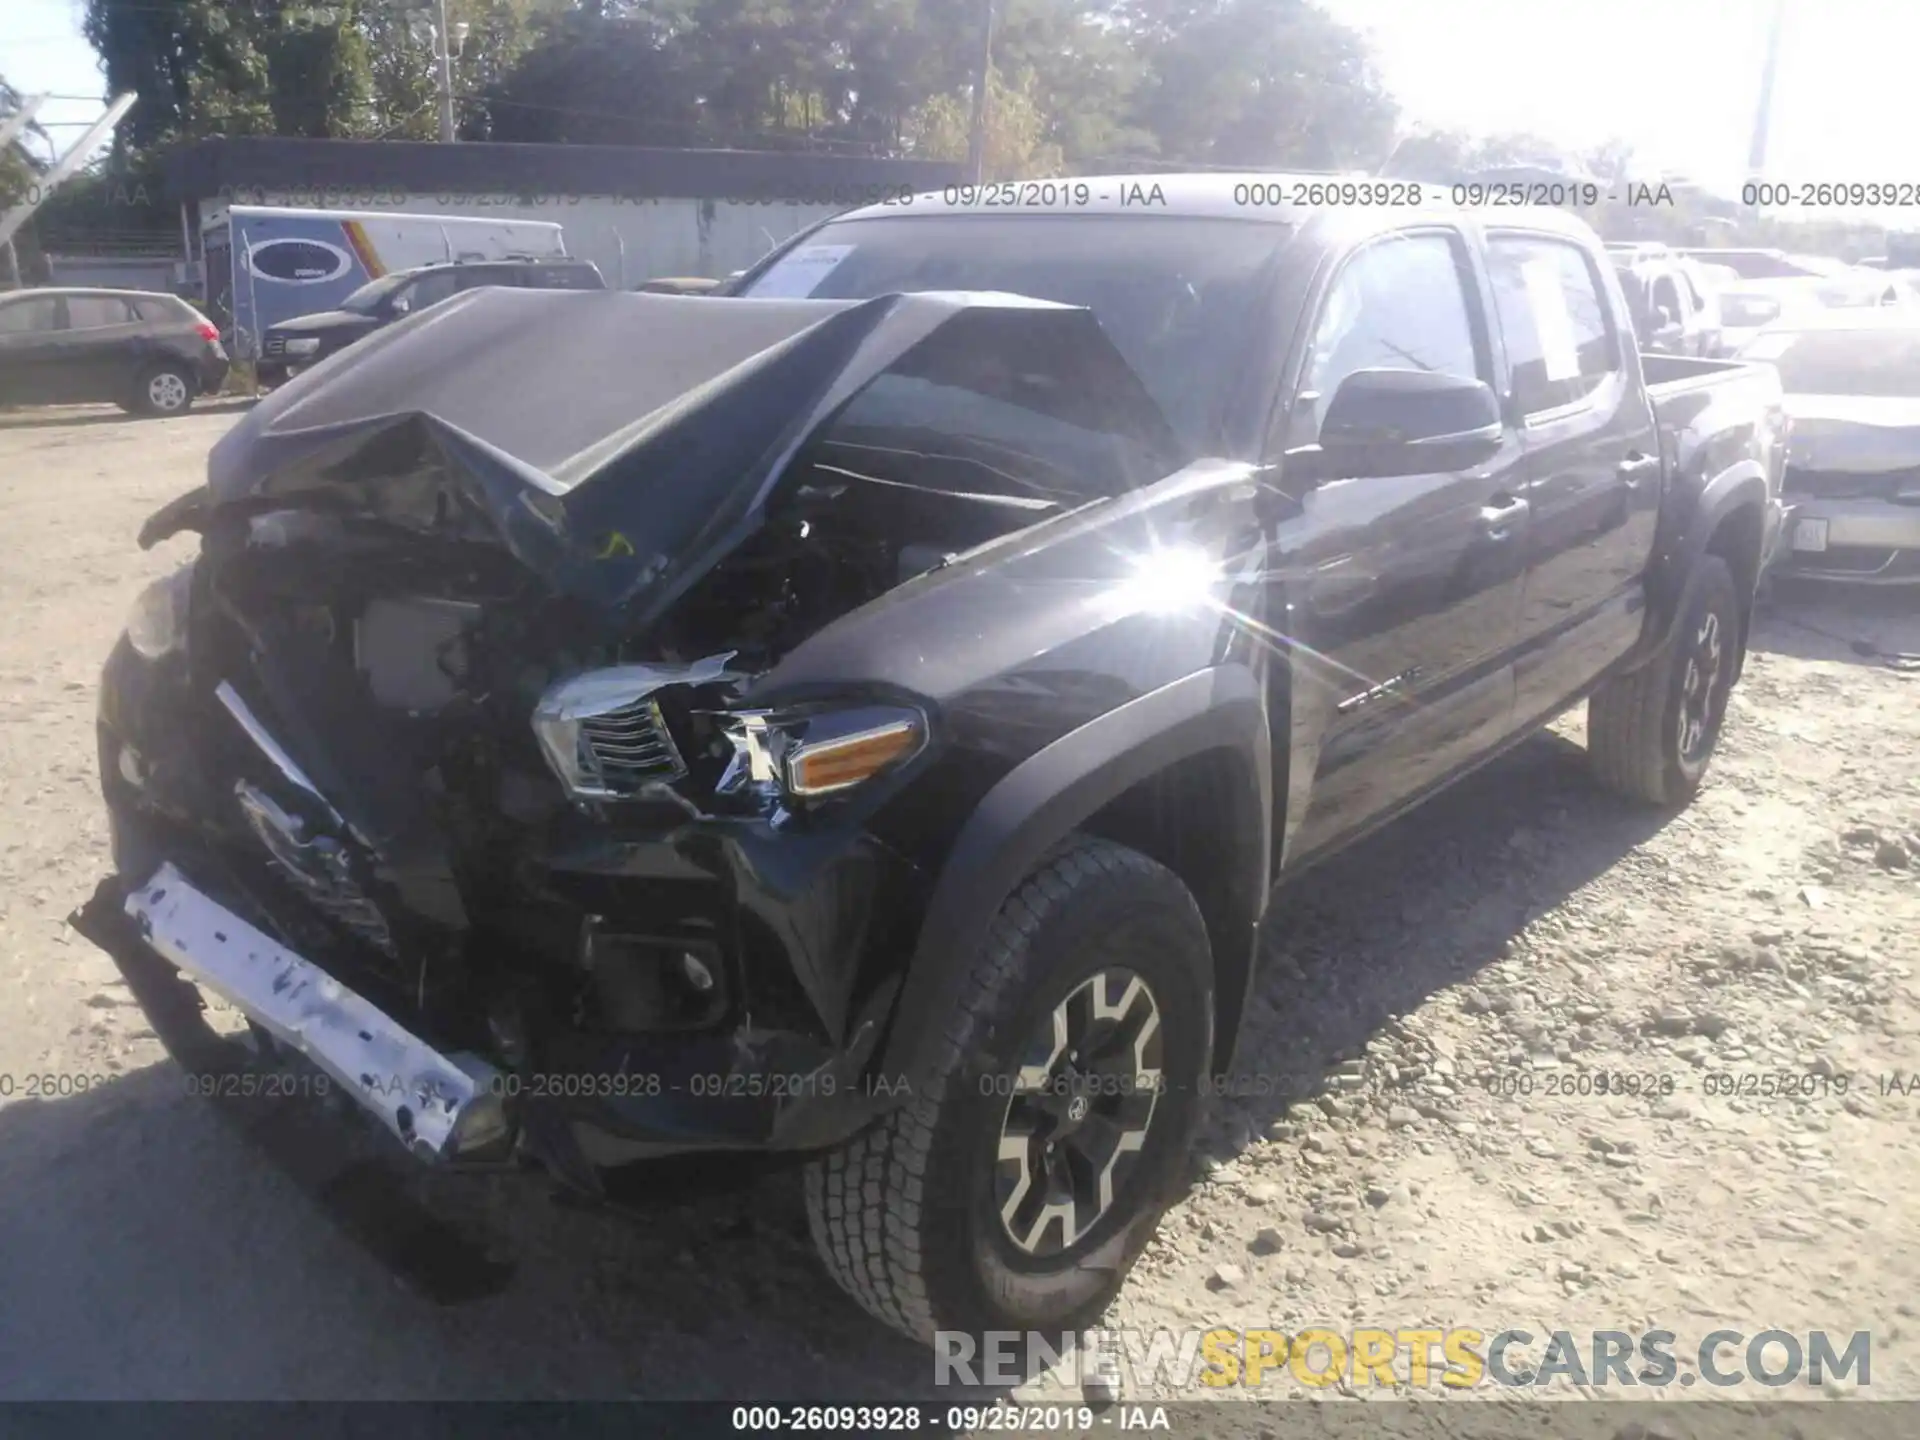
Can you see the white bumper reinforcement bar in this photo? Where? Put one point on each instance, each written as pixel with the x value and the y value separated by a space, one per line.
pixel 438 1105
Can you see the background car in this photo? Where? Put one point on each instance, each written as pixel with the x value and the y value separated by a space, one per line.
pixel 1753 306
pixel 1670 302
pixel 1753 263
pixel 309 339
pixel 1852 383
pixel 146 352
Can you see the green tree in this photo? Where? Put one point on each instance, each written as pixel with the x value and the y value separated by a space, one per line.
pixel 1016 144
pixel 1256 83
pixel 196 66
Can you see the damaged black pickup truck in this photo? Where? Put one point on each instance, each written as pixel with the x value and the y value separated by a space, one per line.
pixel 862 717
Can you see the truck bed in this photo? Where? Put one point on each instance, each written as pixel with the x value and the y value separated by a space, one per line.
pixel 1671 374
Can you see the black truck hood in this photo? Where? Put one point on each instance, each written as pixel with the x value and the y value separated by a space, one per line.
pixel 618 444
pixel 324 322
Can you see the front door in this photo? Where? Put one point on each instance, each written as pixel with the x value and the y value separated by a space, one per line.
pixel 29 364
pixel 1400 593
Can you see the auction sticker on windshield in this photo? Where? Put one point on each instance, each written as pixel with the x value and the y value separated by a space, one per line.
pixel 798 275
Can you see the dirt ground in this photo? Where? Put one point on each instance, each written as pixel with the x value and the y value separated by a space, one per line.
pixel 1398 1161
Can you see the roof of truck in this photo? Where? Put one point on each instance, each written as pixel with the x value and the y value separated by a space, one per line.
pixel 1276 198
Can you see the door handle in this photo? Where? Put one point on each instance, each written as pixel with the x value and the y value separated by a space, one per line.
pixel 1637 469
pixel 1497 517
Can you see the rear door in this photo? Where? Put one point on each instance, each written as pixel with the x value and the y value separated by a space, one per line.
pixel 28 326
pixel 105 344
pixel 1401 592
pixel 1592 463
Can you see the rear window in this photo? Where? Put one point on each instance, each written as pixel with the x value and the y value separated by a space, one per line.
pixel 164 310
pixel 1559 341
pixel 1179 298
pixel 27 316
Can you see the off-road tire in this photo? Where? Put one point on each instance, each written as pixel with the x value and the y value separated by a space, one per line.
pixel 1633 719
pixel 897 1212
pixel 177 380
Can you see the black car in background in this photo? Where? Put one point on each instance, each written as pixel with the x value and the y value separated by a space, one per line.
pixel 148 353
pixel 308 339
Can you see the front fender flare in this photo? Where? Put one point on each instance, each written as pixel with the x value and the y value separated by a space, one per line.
pixel 1056 790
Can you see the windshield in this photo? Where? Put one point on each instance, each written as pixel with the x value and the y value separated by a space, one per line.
pixel 369 297
pixel 1877 363
pixel 1178 297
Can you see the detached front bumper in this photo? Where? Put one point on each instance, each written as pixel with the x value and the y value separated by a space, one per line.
pixel 1857 540
pixel 192 907
pixel 438 1106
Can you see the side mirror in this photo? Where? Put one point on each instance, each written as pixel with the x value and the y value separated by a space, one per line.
pixel 1403 422
pixel 401 305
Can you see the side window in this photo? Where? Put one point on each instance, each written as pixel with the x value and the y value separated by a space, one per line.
pixel 560 277
pixel 159 311
pixel 473 277
pixel 23 317
pixel 1559 339
pixel 1398 304
pixel 96 312
pixel 430 289
pixel 1666 295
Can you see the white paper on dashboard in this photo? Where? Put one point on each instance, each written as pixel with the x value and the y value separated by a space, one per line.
pixel 799 274
pixel 1551 322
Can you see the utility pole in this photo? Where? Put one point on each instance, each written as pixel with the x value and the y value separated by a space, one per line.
pixel 77 155
pixel 443 63
pixel 17 123
pixel 977 133
pixel 1757 150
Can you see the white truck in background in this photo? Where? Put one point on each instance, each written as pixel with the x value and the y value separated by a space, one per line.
pixel 266 264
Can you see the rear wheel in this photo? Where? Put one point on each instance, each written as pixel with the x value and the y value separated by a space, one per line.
pixel 1018 1188
pixel 164 389
pixel 1651 732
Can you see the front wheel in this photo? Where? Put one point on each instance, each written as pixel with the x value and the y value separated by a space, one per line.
pixel 1651 732
pixel 1017 1189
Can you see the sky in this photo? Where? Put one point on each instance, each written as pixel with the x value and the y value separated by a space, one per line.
pixel 1677 79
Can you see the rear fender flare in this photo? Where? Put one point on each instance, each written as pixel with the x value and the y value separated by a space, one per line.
pixel 1738 487
pixel 1055 791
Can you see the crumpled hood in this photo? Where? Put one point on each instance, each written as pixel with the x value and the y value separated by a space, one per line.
pixel 1853 434
pixel 619 444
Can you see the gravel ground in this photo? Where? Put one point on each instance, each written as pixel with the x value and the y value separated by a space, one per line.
pixel 1397 1158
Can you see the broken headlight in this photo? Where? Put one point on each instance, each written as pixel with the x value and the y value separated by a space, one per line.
pixel 824 752
pixel 604 734
pixel 157 624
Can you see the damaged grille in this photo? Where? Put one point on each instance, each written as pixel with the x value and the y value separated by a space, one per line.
pixel 626 748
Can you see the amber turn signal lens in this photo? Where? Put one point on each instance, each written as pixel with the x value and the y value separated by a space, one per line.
pixel 825 766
